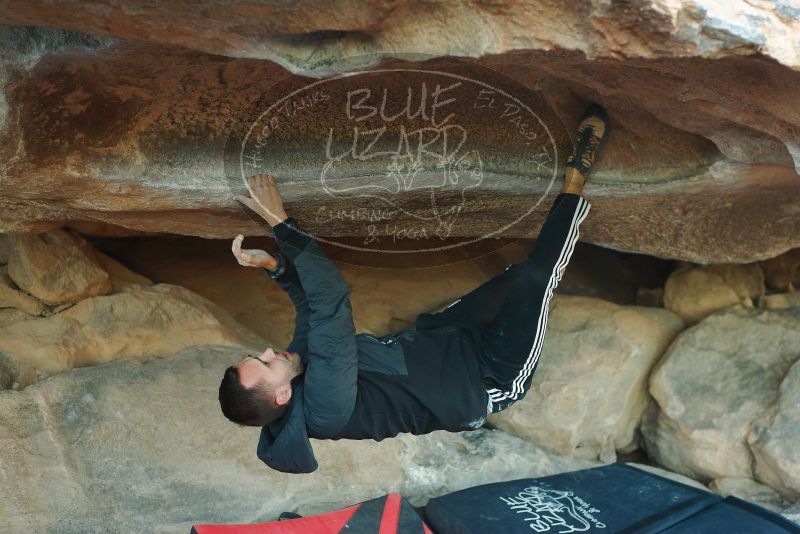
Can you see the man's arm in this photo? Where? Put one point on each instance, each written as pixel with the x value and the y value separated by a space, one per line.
pixel 277 267
pixel 332 368
pixel 285 275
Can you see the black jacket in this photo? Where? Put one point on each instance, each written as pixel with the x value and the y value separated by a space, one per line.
pixel 360 386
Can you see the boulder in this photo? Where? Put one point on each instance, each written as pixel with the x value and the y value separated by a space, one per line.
pixel 695 292
pixel 121 277
pixel 775 439
pixel 780 301
pixel 334 33
pixel 782 272
pixel 104 229
pixel 716 379
pixel 683 145
pixel 6 378
pixel 749 490
pixel 3 249
pixel 57 267
pixel 141 322
pixel 747 280
pixel 11 315
pixel 141 446
pixel 11 297
pixel 590 386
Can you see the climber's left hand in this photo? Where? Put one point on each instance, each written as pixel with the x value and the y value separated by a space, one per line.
pixel 252 257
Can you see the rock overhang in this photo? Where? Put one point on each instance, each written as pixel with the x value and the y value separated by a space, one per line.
pixel 699 165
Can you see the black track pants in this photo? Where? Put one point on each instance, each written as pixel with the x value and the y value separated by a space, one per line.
pixel 511 309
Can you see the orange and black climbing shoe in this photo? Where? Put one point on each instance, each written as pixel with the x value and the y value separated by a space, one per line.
pixel 592 130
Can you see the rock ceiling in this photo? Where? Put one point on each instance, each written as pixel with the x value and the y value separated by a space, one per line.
pixel 135 117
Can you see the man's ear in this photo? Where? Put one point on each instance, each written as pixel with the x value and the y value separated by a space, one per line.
pixel 283 395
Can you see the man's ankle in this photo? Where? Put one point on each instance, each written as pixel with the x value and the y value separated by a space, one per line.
pixel 573 182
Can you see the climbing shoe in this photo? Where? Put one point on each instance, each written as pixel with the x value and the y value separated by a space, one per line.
pixel 593 128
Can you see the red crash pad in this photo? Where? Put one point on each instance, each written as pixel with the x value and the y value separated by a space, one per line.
pixel 389 514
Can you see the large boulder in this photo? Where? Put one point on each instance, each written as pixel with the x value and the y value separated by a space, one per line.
pixel 12 297
pixel 715 380
pixel 146 124
pixel 57 267
pixel 122 278
pixel 141 446
pixel 330 38
pixel 140 322
pixel 780 301
pixel 783 272
pixel 12 315
pixel 747 280
pixel 695 292
pixel 775 439
pixel 590 388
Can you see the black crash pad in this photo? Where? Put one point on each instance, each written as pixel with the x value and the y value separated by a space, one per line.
pixel 614 498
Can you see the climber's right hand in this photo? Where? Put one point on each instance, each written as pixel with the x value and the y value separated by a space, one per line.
pixel 252 257
pixel 264 199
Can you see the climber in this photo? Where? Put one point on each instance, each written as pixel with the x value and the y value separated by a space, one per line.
pixel 475 357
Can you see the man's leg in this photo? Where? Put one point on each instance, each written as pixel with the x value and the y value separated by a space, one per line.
pixel 477 308
pixel 512 342
pixel 480 306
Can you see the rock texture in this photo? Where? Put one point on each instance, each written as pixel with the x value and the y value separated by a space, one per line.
pixel 6 377
pixel 12 297
pixel 590 388
pixel 774 439
pixel 695 292
pixel 328 35
pixel 780 301
pixel 11 315
pixel 702 155
pixel 57 267
pixel 141 446
pixel 783 272
pixel 124 118
pixel 138 323
pixel 3 249
pixel 713 383
pixel 120 276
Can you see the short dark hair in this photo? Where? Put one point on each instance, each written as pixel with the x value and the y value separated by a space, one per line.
pixel 251 407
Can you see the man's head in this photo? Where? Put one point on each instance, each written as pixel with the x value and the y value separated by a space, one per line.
pixel 258 389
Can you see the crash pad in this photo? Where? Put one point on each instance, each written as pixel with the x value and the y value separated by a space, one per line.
pixel 615 498
pixel 390 514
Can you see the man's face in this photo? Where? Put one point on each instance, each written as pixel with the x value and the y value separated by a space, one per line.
pixel 273 369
